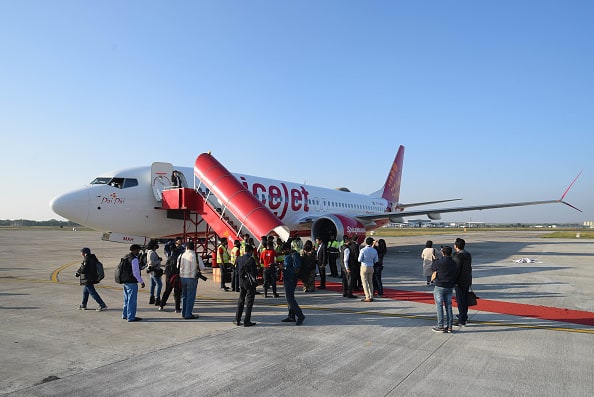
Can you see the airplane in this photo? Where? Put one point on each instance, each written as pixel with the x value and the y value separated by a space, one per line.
pixel 131 205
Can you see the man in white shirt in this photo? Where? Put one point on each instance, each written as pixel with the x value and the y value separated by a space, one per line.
pixel 368 256
pixel 190 266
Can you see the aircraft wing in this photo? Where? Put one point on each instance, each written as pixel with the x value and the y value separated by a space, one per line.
pixel 434 213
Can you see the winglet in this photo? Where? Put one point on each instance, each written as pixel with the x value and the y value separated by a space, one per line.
pixel 567 190
pixel 392 186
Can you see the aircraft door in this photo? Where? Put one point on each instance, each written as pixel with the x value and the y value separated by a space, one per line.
pixel 160 178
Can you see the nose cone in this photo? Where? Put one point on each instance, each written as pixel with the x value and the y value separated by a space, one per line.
pixel 73 206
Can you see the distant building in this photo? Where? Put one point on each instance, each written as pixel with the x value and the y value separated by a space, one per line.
pixel 589 224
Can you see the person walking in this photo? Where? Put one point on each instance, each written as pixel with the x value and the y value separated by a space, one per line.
pixel 291 266
pixel 248 274
pixel 130 285
pixel 172 280
pixel 88 277
pixel 429 255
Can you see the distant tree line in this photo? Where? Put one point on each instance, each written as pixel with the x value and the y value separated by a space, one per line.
pixel 26 222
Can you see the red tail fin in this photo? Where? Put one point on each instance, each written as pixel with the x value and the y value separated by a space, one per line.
pixel 392 185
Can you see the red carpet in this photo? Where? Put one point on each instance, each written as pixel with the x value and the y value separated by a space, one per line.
pixel 486 305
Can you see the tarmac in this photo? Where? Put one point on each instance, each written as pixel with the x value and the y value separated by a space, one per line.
pixel 344 348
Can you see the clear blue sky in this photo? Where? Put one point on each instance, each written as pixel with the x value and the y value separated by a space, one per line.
pixel 494 100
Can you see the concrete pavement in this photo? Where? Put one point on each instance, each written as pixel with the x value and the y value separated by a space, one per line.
pixel 344 348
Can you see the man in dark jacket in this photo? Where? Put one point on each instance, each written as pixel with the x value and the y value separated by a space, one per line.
pixel 322 260
pixel 246 267
pixel 445 276
pixel 88 277
pixel 291 267
pixel 463 261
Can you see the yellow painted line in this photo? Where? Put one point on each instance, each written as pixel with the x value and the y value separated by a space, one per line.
pixel 54 277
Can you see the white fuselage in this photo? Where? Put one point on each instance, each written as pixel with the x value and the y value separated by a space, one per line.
pixel 131 207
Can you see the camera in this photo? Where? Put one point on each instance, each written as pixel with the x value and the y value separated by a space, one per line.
pixel 202 277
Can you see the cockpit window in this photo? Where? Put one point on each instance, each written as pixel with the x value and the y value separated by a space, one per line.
pixel 120 183
pixel 100 181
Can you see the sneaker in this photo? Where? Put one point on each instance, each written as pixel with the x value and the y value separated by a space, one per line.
pixel 300 320
pixel 101 308
pixel 457 323
pixel 450 330
pixel 439 329
pixel 81 307
pixel 160 308
pixel 288 320
pixel 152 300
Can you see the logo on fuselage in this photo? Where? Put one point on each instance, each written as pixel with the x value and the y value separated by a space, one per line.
pixel 279 198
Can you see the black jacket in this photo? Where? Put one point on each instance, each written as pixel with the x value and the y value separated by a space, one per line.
pixel 88 270
pixel 463 260
pixel 447 272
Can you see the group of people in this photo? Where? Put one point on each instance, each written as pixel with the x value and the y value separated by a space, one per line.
pixel 448 273
pixel 288 261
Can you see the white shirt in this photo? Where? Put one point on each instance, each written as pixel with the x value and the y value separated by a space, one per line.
pixel 189 264
pixel 368 256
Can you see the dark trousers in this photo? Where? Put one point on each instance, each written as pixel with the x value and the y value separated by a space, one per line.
pixel 270 279
pixel 224 269
pixel 235 280
pixel 294 309
pixel 176 295
pixel 377 279
pixel 246 297
pixel 462 303
pixel 332 264
pixel 322 271
pixel 347 282
pixel 356 275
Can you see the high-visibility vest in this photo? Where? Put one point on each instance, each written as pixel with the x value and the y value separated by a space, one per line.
pixel 222 254
pixel 234 254
pixel 280 257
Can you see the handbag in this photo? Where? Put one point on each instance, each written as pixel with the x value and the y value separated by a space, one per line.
pixel 471 298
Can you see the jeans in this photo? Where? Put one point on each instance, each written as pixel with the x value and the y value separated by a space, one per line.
pixel 443 296
pixel 189 287
pixel 294 309
pixel 156 282
pixel 90 290
pixel 130 297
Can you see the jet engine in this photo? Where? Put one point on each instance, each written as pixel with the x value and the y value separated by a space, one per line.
pixel 338 225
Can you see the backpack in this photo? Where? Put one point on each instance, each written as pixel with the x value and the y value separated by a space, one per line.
pixel 100 271
pixel 123 272
pixel 142 260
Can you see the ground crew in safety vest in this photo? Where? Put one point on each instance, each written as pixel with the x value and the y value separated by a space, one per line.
pixel 235 253
pixel 333 248
pixel 223 262
pixel 280 257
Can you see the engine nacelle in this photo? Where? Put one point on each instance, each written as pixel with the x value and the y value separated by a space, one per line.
pixel 338 225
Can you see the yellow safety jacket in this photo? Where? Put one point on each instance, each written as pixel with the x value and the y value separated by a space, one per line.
pixel 222 254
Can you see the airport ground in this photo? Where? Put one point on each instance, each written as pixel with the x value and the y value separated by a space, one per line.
pixel 344 348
